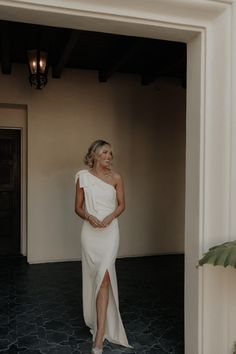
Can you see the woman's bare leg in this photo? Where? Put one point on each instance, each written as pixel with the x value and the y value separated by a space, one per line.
pixel 101 305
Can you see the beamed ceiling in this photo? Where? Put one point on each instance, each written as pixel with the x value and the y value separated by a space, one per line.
pixel 105 53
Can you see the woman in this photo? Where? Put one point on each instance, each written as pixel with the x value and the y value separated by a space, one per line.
pixel 99 201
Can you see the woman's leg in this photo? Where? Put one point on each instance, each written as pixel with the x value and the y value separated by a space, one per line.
pixel 101 305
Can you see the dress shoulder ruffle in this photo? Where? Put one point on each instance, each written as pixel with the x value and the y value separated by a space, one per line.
pixel 83 178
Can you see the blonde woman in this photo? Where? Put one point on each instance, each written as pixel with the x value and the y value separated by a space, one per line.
pixel 99 201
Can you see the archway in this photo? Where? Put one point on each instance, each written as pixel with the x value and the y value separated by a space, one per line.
pixel 208 135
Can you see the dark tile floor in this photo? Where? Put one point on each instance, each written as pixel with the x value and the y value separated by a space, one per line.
pixel 41 307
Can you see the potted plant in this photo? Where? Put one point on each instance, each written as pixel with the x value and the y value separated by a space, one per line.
pixel 223 255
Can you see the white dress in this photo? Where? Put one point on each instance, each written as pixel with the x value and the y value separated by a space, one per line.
pixel 99 251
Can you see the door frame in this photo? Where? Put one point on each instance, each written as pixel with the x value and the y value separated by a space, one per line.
pixel 15 134
pixel 14 116
pixel 207 26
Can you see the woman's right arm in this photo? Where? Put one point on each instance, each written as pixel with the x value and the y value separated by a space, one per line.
pixel 79 207
pixel 79 202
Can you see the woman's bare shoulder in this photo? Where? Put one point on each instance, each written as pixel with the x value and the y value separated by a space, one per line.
pixel 116 176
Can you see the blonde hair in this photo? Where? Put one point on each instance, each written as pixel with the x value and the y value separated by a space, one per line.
pixel 92 150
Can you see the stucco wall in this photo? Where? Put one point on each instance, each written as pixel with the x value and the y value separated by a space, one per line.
pixel 146 126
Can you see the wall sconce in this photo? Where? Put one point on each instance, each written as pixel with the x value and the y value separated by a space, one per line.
pixel 38 68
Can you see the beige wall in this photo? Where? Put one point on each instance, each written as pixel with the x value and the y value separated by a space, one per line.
pixel 147 128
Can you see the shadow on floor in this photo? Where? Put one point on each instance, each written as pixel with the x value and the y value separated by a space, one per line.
pixel 41 306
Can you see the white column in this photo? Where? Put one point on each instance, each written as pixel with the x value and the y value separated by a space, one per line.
pixel 194 160
pixel 216 213
pixel 232 272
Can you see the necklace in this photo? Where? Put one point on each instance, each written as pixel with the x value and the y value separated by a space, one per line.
pixel 108 174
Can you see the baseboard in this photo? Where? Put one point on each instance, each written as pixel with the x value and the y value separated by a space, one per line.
pixel 60 260
pixel 151 254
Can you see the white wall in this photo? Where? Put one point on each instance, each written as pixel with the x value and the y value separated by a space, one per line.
pixel 232 276
pixel 218 160
pixel 147 128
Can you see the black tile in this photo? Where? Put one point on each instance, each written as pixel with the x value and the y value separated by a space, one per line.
pixel 41 307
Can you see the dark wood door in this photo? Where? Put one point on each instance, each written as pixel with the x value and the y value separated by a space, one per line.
pixel 10 167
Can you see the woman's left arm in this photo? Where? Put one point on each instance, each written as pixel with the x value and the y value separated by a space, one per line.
pixel 120 195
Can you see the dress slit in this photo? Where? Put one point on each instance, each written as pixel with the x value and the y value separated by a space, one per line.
pixel 93 331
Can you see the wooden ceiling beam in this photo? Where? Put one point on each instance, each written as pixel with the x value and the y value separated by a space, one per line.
pixel 105 74
pixel 168 68
pixel 65 55
pixel 6 48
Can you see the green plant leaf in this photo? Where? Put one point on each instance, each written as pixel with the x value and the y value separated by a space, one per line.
pixel 223 254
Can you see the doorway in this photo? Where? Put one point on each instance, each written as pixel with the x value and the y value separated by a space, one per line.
pixel 10 191
pixel 209 202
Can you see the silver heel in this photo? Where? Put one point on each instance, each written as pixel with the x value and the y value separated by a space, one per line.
pixel 96 351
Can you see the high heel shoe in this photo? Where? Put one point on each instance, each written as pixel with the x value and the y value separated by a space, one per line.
pixel 96 351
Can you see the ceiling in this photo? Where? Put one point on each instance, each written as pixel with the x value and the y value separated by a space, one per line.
pixel 106 53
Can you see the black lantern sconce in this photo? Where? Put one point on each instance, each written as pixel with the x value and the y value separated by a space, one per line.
pixel 38 68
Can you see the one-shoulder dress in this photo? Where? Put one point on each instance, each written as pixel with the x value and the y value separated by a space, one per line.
pixel 99 251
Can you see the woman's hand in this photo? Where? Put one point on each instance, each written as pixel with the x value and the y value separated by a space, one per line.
pixel 94 221
pixel 108 219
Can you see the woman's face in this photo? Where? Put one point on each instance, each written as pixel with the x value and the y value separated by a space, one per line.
pixel 104 156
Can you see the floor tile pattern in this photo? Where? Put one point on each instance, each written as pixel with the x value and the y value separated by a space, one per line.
pixel 41 307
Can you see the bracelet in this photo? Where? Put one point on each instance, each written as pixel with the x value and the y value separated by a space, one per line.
pixel 86 215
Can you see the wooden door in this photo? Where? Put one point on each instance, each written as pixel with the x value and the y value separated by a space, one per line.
pixel 10 182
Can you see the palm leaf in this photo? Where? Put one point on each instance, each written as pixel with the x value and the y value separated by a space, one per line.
pixel 223 254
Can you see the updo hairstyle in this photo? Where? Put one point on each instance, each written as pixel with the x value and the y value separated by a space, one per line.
pixel 92 150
